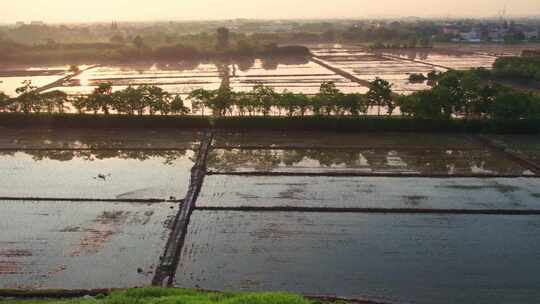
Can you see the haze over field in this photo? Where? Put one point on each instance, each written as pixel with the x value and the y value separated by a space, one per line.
pixel 103 10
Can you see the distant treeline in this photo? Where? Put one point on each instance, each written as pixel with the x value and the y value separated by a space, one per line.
pixel 111 52
pixel 52 44
pixel 201 34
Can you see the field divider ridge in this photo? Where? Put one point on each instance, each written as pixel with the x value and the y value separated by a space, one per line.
pixel 340 72
pixel 366 174
pixel 61 81
pixel 373 210
pixel 164 274
pixel 78 199
pixel 356 148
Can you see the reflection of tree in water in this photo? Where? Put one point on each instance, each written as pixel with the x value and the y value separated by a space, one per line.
pixel 422 53
pixel 224 72
pixel 267 159
pixel 272 63
pixel 423 161
pixel 168 156
pixel 230 160
pixel 244 64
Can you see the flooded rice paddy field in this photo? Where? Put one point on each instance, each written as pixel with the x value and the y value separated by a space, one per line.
pixel 81 245
pixel 296 75
pixel 273 213
pixel 12 77
pixel 408 258
pixel 299 77
pixel 307 140
pixel 84 209
pixel 369 161
pixel 101 174
pixel 371 192
pixel 493 49
pixel 178 78
pixel 96 139
pixel 444 58
pixel 396 65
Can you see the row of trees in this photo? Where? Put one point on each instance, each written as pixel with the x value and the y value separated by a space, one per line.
pixel 146 99
pixel 453 94
pixel 468 94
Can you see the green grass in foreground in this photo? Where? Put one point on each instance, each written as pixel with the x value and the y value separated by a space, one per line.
pixel 177 296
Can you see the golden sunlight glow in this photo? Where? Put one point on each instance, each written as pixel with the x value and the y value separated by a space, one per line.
pixel 106 10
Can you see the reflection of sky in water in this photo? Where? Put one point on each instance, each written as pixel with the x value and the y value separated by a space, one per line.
pixel 297 77
pixel 99 174
pixel 436 259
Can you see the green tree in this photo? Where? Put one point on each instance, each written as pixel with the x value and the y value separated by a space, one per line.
pixel 128 100
pixel 80 103
pixel 54 101
pixel 5 102
pixel 177 106
pixel 294 103
pixel 513 105
pixel 264 97
pixel 101 98
pixel 156 99
pixel 288 101
pixel 328 97
pixel 200 99
pixel 28 100
pixel 352 103
pixel 380 95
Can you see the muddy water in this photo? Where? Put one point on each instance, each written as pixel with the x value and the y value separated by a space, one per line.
pixel 526 145
pixel 102 174
pixel 380 161
pixel 371 192
pixel 399 258
pixel 74 245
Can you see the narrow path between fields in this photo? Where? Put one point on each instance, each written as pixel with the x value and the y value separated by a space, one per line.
pixel 61 81
pixel 164 274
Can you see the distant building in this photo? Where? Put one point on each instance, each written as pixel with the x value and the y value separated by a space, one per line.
pixel 19 23
pixel 37 23
pixel 472 36
pixel 497 34
pixel 531 35
pixel 448 30
pixel 276 27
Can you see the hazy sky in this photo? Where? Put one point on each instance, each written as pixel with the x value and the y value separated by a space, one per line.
pixel 103 10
